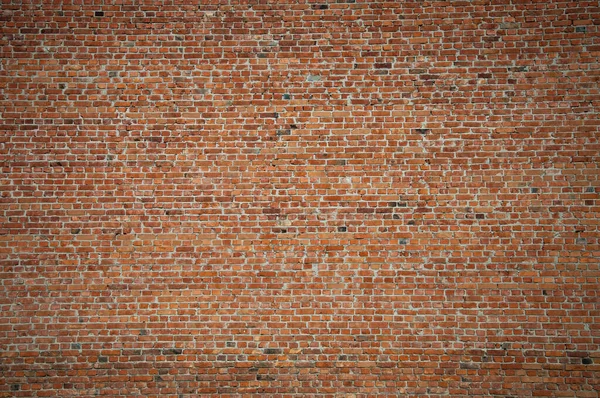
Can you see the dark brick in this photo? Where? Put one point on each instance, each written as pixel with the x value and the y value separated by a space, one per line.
pixel 172 351
pixel 270 351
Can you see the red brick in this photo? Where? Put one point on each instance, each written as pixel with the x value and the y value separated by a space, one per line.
pixel 353 198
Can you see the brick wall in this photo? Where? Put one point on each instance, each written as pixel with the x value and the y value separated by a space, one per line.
pixel 297 198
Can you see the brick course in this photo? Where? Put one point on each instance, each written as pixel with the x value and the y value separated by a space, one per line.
pixel 297 198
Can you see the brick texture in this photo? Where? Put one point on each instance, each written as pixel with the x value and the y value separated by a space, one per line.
pixel 342 198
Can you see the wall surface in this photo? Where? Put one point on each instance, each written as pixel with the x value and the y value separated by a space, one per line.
pixel 342 198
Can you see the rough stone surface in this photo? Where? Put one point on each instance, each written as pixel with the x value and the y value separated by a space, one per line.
pixel 299 198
